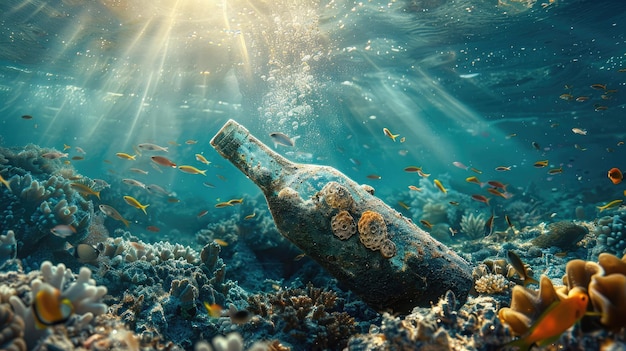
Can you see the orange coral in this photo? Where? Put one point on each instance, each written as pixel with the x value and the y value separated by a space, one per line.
pixel 372 230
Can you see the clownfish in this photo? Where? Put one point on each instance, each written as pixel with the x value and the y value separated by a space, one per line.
pixel 615 175
pixel 50 308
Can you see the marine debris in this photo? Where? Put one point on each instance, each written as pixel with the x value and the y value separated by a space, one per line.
pixel 303 199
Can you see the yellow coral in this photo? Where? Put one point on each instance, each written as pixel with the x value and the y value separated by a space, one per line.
pixel 372 230
pixel 343 225
pixel 491 284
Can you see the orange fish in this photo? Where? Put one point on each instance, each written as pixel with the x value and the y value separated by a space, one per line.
pixel 615 175
pixel 557 318
pixel 497 184
pixel 481 198
pixel 163 161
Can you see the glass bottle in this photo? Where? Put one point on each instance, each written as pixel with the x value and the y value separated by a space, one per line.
pixel 368 246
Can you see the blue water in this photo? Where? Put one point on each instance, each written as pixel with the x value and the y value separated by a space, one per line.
pixel 470 81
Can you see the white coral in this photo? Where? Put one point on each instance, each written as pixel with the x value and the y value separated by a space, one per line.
pixel 81 291
pixel 473 226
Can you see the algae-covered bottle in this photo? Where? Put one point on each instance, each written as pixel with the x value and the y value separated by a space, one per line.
pixel 371 248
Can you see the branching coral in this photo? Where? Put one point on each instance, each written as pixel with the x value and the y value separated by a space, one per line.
pixel 491 284
pixel 312 317
pixel 35 206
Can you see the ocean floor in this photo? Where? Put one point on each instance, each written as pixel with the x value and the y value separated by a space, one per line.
pixel 238 284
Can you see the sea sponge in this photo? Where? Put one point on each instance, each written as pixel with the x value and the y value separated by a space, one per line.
pixel 562 234
pixel 337 196
pixel 343 225
pixel 372 230
pixel 11 330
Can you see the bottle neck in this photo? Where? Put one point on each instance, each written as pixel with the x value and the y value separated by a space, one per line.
pixel 255 159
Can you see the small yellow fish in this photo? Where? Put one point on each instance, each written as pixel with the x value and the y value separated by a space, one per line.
pixel 6 183
pixel 541 164
pixel 191 142
pixel 214 310
pixel 390 135
pixel 556 171
pixel 476 170
pixel 426 223
pixel 250 216
pixel 223 204
pixel 65 147
pixel 404 205
pixel 422 174
pixel 136 204
pixel 220 242
pixel 235 201
pixel 192 170
pixel 611 204
pixel 440 186
pixel 202 159
pixel 125 156
pixel 85 190
pixel 503 168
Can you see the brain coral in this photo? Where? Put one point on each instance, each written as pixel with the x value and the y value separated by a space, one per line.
pixel 562 234
pixel 372 230
pixel 337 196
pixel 343 225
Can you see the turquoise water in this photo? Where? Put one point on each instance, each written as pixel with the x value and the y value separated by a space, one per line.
pixel 453 78
pixel 469 87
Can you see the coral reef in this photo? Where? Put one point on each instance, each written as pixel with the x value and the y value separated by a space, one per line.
pixel 8 248
pixel 310 318
pixel 80 290
pixel 164 285
pixel 231 342
pixel 610 235
pixel 35 206
pixel 11 330
pixel 563 234
pixel 445 326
